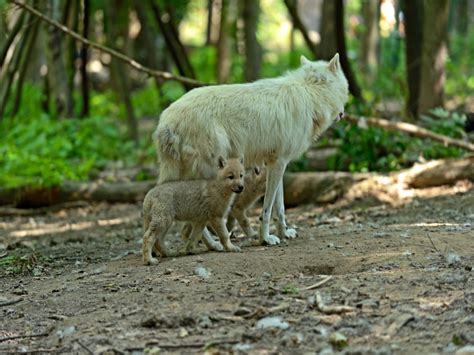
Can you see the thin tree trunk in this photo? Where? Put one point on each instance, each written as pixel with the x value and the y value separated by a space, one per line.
pixel 342 49
pixel 56 65
pixel 224 43
pixel 292 6
pixel 10 38
pixel 370 39
pixel 30 44
pixel 212 30
pixel 174 45
pixel 253 50
pixel 83 59
pixel 434 54
pixel 118 16
pixel 413 11
pixel 328 45
pixel 71 19
pixel 11 68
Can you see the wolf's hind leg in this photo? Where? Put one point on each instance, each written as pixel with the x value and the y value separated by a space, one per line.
pixel 283 230
pixel 210 242
pixel 274 178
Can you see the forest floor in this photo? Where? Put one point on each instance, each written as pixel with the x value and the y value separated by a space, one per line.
pixel 72 281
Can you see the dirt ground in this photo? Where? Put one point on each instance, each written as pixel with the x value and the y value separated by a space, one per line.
pixel 72 281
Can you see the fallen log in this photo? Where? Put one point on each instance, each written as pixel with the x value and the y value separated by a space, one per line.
pixel 300 188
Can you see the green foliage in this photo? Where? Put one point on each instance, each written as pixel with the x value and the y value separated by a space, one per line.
pixel 44 152
pixel 376 149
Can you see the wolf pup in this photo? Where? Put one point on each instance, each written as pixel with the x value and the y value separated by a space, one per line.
pixel 254 189
pixel 200 202
pixel 270 120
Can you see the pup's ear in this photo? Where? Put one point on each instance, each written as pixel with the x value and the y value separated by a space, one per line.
pixel 221 162
pixel 334 63
pixel 257 170
pixel 241 160
pixel 304 60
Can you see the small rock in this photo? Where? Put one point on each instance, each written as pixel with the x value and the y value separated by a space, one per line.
pixel 243 347
pixel 61 333
pixel 202 272
pixel 380 235
pixel 453 259
pixel 407 253
pixel 183 333
pixel 468 349
pixel 272 322
pixel 204 321
pixel 338 340
pixel 266 275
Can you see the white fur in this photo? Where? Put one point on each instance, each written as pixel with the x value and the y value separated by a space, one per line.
pixel 271 120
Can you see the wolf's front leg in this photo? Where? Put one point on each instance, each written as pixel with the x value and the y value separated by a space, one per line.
pixel 274 177
pixel 210 242
pixel 283 230
pixel 223 234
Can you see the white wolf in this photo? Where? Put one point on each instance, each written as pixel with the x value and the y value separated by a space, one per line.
pixel 269 120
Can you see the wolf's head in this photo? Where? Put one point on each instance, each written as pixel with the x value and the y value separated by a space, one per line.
pixel 231 174
pixel 330 88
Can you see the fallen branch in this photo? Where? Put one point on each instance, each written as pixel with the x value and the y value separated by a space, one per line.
pixel 9 303
pixel 23 336
pixel 151 72
pixel 318 284
pixel 331 309
pixel 410 129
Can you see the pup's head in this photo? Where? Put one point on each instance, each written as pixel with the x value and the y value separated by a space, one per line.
pixel 331 85
pixel 231 173
pixel 255 181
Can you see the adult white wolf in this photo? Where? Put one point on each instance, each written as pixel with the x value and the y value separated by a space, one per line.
pixel 270 120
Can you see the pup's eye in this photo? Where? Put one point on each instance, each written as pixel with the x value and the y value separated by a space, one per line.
pixel 231 177
pixel 241 176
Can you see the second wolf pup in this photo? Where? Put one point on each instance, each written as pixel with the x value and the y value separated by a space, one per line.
pixel 200 202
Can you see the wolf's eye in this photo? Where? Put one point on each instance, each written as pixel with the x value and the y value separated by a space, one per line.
pixel 231 177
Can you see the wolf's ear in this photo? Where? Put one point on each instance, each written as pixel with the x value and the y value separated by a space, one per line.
pixel 304 60
pixel 257 170
pixel 221 162
pixel 334 63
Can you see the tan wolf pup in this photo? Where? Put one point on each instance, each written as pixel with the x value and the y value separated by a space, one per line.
pixel 270 120
pixel 200 202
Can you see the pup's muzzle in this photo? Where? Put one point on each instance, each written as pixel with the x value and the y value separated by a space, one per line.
pixel 238 189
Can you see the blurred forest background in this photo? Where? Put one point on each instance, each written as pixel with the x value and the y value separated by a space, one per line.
pixel 69 111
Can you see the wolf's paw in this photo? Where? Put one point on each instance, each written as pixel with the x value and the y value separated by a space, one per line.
pixel 271 239
pixel 215 245
pixel 290 233
pixel 233 248
pixel 151 261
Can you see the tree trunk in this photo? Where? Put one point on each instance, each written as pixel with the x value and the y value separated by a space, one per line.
pixel 370 39
pixel 328 45
pixel 434 52
pixel 342 49
pixel 83 59
pixel 173 43
pixel 9 40
pixel 212 30
pixel 292 7
pixel 253 51
pixel 459 16
pixel 56 65
pixel 224 43
pixel 413 11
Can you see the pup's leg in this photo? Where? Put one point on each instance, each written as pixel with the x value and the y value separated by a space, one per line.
pixel 148 242
pixel 274 177
pixel 244 222
pixel 221 230
pixel 283 230
pixel 186 231
pixel 193 239
pixel 210 242
pixel 160 244
pixel 230 220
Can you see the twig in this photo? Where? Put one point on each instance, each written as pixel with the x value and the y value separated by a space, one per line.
pixel 8 303
pixel 33 351
pixel 24 336
pixel 318 284
pixel 411 129
pixel 331 309
pixel 89 351
pixel 151 72
pixel 434 246
pixel 198 344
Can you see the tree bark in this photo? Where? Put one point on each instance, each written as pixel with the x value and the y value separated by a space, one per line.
pixel 212 30
pixel 84 58
pixel 224 42
pixel 253 50
pixel 292 7
pixel 9 40
pixel 328 46
pixel 413 11
pixel 370 39
pixel 56 65
pixel 173 43
pixel 118 31
pixel 434 54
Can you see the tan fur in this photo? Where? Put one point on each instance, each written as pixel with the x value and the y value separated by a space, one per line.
pixel 198 201
pixel 254 189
